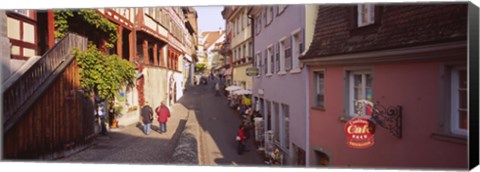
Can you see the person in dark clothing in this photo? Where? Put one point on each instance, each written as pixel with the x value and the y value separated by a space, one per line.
pixel 102 113
pixel 147 118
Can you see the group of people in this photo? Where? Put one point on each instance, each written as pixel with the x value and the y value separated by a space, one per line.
pixel 246 128
pixel 146 114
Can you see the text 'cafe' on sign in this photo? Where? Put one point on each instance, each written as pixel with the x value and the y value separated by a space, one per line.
pixel 360 132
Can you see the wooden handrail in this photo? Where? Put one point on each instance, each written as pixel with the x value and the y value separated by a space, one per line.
pixel 19 91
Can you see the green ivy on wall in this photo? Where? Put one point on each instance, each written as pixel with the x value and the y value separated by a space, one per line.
pixel 92 17
pixel 102 72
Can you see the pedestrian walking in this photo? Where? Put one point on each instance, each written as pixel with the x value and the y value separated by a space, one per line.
pixel 247 127
pixel 147 117
pixel 240 139
pixel 163 114
pixel 101 113
pixel 217 88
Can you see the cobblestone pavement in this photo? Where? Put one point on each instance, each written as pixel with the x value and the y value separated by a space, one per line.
pixel 130 145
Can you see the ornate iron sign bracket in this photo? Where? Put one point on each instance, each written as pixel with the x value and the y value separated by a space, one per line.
pixel 389 118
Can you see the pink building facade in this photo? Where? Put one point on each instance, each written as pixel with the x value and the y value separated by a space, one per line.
pixel 412 57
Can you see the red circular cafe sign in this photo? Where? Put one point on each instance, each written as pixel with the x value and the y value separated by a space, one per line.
pixel 359 132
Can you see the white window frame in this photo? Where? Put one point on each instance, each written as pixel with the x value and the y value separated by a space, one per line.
pixel 244 50
pixel 317 90
pixel 277 123
pixel 238 25
pixel 350 101
pixel 454 104
pixel 258 60
pixel 282 56
pixel 269 60
pixel 239 52
pixel 240 17
pixel 245 19
pixel 284 131
pixel 268 108
pixel 370 11
pixel 297 37
pixel 269 12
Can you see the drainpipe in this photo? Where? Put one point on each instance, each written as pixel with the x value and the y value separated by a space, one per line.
pixel 252 49
pixel 307 119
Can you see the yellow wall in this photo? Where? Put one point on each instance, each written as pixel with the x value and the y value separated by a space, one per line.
pixel 239 74
pixel 311 12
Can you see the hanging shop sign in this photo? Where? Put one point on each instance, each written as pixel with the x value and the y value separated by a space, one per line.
pixel 252 71
pixel 360 132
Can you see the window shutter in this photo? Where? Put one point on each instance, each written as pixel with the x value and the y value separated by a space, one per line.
pixel 272 59
pixel 302 46
pixel 266 61
pixel 278 57
pixel 288 53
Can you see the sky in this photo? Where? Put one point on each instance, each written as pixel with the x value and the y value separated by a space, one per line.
pixel 210 18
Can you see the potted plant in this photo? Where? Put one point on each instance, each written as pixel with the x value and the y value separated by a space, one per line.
pixel 116 112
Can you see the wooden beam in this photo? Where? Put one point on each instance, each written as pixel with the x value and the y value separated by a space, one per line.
pixel 145 51
pixel 51 29
pixel 155 50
pixel 120 41
pixel 132 42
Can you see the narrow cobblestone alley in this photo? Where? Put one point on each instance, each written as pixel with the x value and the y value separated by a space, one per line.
pixel 131 145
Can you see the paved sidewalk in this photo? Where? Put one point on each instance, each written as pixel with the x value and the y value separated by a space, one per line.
pixel 131 145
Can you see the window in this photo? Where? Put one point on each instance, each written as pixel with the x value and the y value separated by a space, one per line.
pixel 250 48
pixel 240 51
pixel 365 14
pixel 265 13
pixel 265 62
pixel 276 126
pixel 259 24
pixel 269 60
pixel 268 115
pixel 242 25
pixel 238 25
pixel 297 49
pixel 277 57
pixel 359 88
pixel 459 106
pixel 286 126
pixel 244 50
pixel 234 54
pixel 318 89
pixel 288 53
pixel 269 13
pixel 259 63
pixel 282 55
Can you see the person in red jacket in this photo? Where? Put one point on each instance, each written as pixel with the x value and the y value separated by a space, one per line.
pixel 163 114
pixel 241 139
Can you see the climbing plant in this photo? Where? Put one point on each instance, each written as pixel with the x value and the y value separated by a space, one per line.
pixel 91 17
pixel 103 73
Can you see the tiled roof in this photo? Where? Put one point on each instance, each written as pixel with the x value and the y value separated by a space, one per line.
pixel 210 38
pixel 397 26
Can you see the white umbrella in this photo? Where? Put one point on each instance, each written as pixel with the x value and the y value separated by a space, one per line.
pixel 233 88
pixel 242 92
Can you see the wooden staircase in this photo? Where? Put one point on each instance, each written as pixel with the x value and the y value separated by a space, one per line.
pixel 42 106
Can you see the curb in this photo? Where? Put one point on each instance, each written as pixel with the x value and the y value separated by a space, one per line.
pixel 186 150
